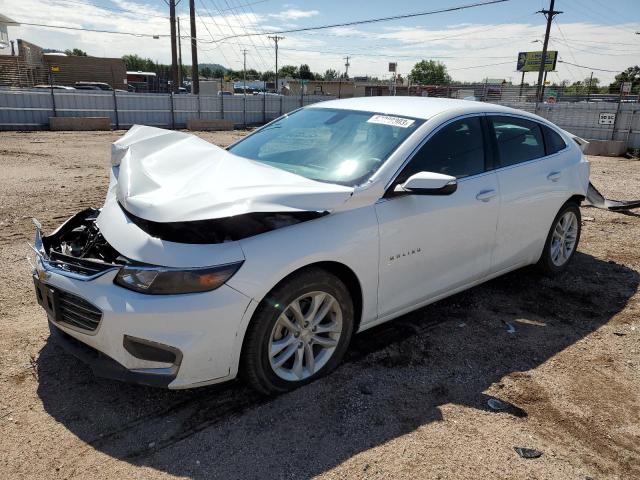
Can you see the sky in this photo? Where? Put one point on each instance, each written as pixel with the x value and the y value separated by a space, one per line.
pixel 474 43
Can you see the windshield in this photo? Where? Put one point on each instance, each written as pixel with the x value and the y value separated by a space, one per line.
pixel 329 145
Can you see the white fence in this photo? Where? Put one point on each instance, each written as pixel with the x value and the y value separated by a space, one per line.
pixel 31 109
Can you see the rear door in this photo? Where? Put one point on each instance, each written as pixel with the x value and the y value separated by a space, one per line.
pixel 531 183
pixel 431 245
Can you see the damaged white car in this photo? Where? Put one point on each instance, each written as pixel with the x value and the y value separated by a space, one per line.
pixel 263 259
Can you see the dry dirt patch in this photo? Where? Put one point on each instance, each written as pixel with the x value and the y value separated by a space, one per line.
pixel 409 402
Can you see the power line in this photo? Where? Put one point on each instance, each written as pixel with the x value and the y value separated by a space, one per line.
pixel 109 9
pixel 156 36
pixel 480 66
pixel 589 68
pixel 238 16
pixel 372 20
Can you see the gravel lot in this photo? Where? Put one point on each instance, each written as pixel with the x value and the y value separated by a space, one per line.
pixel 409 402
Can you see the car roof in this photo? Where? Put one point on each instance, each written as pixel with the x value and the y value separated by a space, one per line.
pixel 416 107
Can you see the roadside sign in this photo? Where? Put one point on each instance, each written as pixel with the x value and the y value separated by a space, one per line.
pixel 55 68
pixel 530 61
pixel 606 118
pixel 626 87
pixel 392 66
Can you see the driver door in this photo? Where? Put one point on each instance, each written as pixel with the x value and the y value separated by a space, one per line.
pixel 431 245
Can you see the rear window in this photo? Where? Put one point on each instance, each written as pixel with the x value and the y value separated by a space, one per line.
pixel 554 142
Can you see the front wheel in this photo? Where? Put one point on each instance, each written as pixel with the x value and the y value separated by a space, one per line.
pixel 299 332
pixel 562 240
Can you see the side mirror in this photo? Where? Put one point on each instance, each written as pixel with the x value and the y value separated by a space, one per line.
pixel 430 183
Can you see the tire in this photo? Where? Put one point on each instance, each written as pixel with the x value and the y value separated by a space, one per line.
pixel 278 326
pixel 557 255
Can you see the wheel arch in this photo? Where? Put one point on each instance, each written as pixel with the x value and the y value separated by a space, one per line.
pixel 338 269
pixel 578 199
pixel 342 272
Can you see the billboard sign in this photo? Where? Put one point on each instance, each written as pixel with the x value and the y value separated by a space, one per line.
pixel 530 61
pixel 392 66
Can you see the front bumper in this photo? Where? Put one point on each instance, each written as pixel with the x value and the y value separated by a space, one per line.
pixel 105 366
pixel 202 327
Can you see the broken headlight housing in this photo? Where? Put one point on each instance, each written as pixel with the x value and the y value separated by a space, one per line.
pixel 171 281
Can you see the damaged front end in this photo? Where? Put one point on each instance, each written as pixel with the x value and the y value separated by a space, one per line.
pixel 77 248
pixel 220 230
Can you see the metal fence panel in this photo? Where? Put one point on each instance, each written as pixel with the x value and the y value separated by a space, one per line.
pixel 144 109
pixel 24 110
pixel 94 104
pixel 30 109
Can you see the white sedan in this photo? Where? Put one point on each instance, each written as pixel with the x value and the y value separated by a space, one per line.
pixel 263 259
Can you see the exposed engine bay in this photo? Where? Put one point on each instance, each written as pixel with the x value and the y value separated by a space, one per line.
pixel 77 245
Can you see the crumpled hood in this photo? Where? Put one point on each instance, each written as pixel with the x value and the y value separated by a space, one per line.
pixel 167 176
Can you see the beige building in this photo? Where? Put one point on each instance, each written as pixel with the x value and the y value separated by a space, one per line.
pixel 31 66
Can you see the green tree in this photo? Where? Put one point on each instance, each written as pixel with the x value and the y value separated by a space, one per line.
pixel 76 52
pixel 429 72
pixel 593 82
pixel 206 72
pixel 268 75
pixel 330 74
pixel 631 74
pixel 305 72
pixel 218 73
pixel 253 74
pixel 137 63
pixel 288 71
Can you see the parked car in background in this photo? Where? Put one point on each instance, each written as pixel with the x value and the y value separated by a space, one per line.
pixel 54 87
pixel 263 259
pixel 93 86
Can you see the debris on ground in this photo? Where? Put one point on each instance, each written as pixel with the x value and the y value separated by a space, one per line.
pixel 528 452
pixel 510 327
pixel 501 406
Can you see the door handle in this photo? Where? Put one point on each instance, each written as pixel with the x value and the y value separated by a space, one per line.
pixel 486 195
pixel 554 176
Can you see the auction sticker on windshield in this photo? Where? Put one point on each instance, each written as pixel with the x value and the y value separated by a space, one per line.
pixel 390 120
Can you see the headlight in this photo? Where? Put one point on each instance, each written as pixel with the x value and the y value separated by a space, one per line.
pixel 167 281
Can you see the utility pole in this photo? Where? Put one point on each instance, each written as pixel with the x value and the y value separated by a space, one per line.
pixel 276 39
pixel 179 56
pixel 346 66
pixel 244 72
pixel 244 88
pixel 589 90
pixel 195 71
pixel 549 14
pixel 174 48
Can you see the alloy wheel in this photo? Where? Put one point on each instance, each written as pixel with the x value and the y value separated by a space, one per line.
pixel 563 241
pixel 305 336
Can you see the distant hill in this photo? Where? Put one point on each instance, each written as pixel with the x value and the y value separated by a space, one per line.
pixel 212 66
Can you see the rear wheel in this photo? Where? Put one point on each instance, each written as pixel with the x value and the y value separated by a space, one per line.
pixel 299 332
pixel 562 240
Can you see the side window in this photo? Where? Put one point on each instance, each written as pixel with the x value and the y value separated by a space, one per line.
pixel 553 141
pixel 456 150
pixel 518 140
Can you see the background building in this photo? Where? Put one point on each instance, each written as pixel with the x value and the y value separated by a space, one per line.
pixel 31 66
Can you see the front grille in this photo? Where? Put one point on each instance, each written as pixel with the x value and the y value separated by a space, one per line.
pixel 77 312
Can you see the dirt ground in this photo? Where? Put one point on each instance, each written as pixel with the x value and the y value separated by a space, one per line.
pixel 409 402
